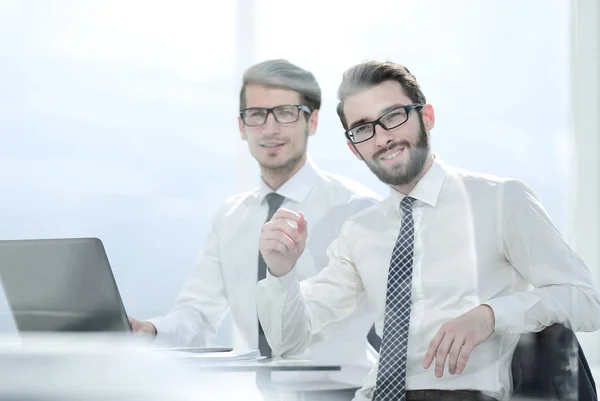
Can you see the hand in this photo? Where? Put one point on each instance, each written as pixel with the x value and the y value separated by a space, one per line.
pixel 280 243
pixel 142 327
pixel 457 338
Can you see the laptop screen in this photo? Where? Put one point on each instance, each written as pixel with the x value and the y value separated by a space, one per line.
pixel 61 285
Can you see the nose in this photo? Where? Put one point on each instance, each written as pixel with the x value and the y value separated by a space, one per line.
pixel 271 126
pixel 383 137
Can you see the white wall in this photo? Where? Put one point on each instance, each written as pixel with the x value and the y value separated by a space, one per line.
pixel 585 174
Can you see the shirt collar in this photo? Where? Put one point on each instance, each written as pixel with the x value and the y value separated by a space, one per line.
pixel 428 188
pixel 297 187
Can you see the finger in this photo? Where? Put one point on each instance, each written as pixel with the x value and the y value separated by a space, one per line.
pixel 283 226
pixel 280 237
pixel 442 354
pixel 283 213
pixel 271 246
pixel 465 353
pixel 454 352
pixel 133 323
pixel 433 346
pixel 302 224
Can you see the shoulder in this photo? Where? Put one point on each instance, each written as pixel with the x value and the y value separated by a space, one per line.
pixel 343 197
pixel 482 184
pixel 475 178
pixel 504 193
pixel 234 203
pixel 346 187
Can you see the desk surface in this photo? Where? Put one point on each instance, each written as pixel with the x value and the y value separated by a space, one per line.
pixel 271 365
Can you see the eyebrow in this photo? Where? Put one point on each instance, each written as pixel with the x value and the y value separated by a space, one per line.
pixel 381 112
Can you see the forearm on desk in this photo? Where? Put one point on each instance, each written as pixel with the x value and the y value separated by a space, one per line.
pixel 283 314
pixel 182 328
pixel 294 314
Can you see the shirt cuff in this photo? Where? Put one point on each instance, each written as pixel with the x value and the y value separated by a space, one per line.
pixel 510 312
pixel 283 287
pixel 163 331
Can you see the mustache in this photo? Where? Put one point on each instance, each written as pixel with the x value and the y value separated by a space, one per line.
pixel 401 144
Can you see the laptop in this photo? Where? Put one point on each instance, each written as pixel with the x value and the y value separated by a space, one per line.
pixel 61 285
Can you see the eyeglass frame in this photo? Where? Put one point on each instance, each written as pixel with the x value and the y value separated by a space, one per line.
pixel 300 107
pixel 407 108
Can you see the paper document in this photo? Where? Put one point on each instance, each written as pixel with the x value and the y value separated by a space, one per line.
pixel 215 357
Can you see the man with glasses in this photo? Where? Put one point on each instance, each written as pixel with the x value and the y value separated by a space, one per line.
pixel 279 110
pixel 447 260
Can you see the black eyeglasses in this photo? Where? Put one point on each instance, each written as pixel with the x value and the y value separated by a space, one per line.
pixel 390 120
pixel 284 114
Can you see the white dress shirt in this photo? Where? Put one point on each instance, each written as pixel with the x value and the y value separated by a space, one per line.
pixel 226 274
pixel 478 240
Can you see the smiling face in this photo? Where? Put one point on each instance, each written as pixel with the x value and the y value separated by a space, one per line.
pixel 398 157
pixel 277 146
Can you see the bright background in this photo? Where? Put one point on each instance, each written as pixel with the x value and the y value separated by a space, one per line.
pixel 118 118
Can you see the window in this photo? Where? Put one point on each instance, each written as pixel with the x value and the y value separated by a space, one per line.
pixel 117 121
pixel 497 74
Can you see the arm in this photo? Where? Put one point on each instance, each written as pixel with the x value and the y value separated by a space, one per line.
pixel 290 312
pixel 564 291
pixel 201 304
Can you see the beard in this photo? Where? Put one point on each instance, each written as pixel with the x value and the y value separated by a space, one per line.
pixel 403 173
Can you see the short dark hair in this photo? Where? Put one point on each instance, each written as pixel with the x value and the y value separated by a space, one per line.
pixel 281 73
pixel 371 73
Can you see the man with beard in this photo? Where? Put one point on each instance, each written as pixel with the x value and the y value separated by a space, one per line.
pixel 447 261
pixel 279 110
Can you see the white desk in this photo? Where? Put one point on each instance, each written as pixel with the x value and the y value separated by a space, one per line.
pixel 124 370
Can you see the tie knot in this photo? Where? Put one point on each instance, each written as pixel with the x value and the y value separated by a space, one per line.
pixel 406 204
pixel 274 200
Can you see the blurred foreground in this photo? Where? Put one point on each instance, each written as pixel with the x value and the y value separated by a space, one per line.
pixel 114 367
